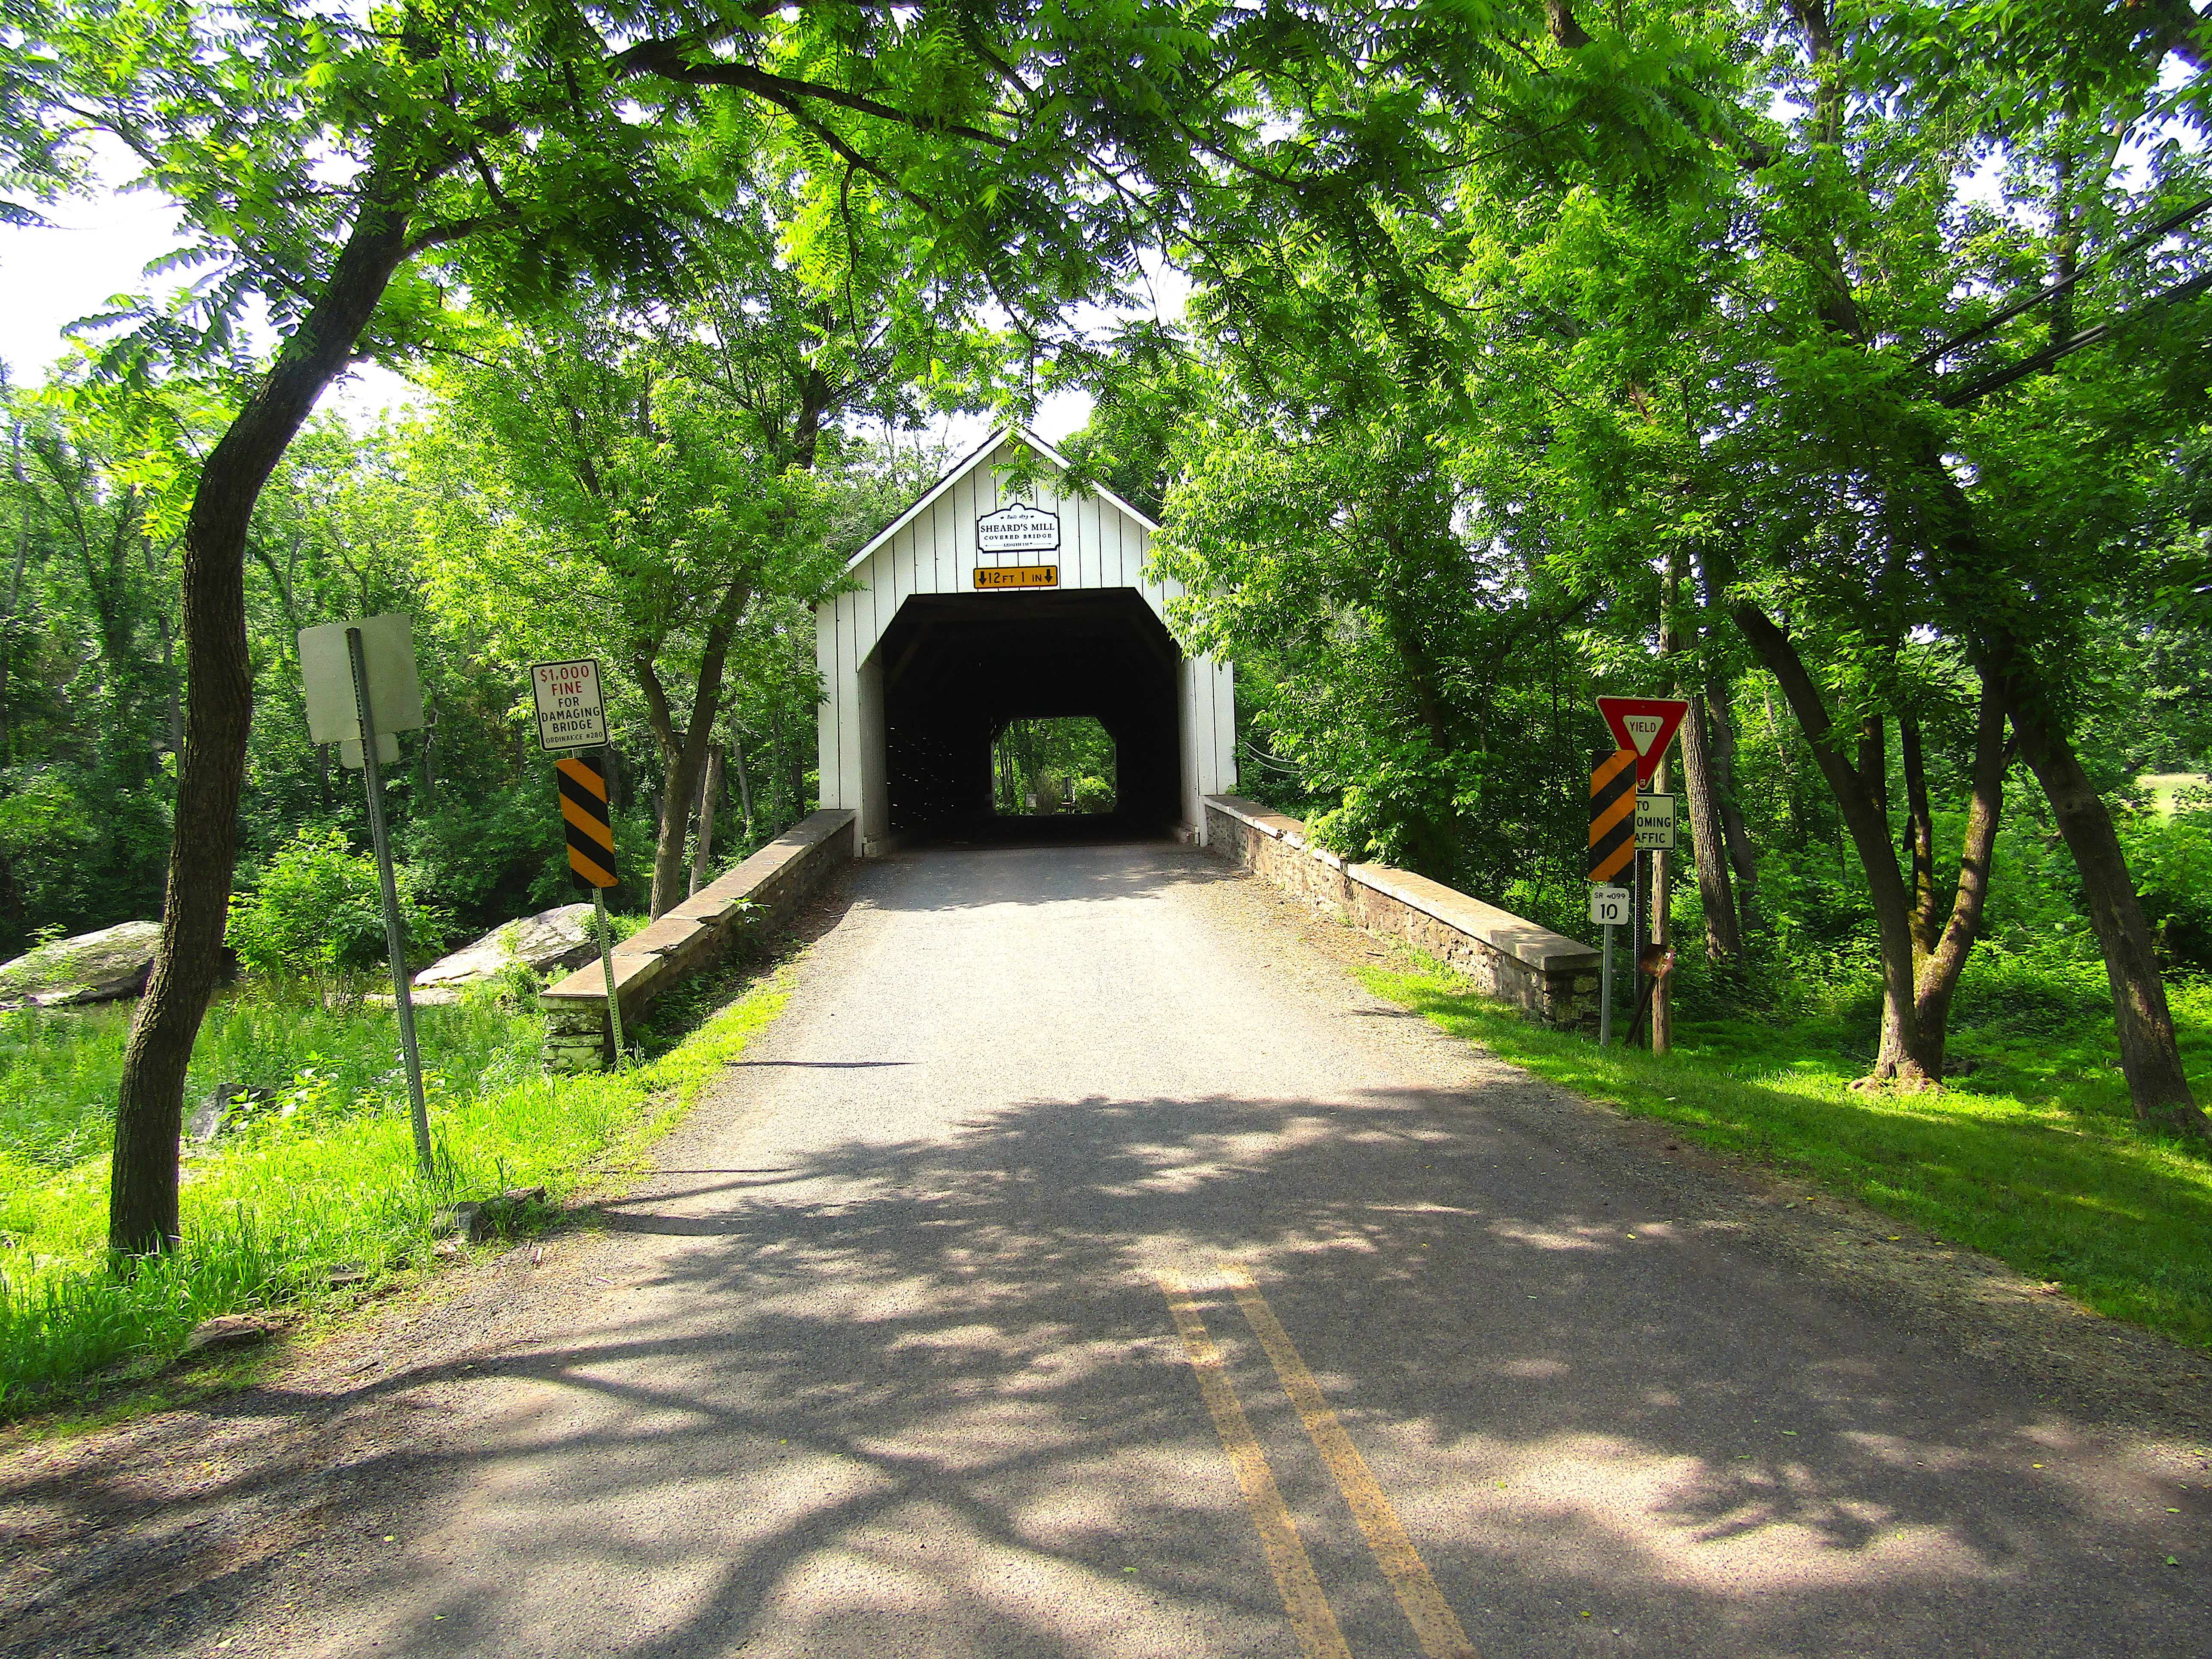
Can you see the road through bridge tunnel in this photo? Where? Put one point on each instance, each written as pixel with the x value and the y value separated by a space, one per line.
pixel 956 669
pixel 1002 595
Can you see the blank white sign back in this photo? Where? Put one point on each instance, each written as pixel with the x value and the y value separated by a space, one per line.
pixel 395 695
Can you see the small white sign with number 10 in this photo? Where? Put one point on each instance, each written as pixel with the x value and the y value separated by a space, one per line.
pixel 1609 906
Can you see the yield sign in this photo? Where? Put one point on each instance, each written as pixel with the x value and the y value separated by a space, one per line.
pixel 1647 725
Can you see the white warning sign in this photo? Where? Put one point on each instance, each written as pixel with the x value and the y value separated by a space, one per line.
pixel 571 712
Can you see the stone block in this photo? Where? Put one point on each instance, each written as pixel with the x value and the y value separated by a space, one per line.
pixel 1505 956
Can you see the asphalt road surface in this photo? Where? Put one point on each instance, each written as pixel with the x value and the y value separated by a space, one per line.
pixel 1078 1268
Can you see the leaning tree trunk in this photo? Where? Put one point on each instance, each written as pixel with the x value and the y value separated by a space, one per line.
pixel 142 1215
pixel 2149 1055
pixel 1945 959
pixel 1910 1057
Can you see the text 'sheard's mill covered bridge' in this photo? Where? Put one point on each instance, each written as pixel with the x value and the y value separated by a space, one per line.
pixel 980 606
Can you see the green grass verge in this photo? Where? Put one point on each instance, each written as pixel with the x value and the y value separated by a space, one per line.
pixel 2033 1164
pixel 324 1177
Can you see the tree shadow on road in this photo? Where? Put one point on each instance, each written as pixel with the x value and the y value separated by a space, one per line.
pixel 925 1397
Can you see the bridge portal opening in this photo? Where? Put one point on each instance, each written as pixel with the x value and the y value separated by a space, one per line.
pixel 1001 596
pixel 964 676
pixel 1048 768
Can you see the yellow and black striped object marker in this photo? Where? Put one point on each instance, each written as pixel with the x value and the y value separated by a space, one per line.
pixel 1612 815
pixel 590 828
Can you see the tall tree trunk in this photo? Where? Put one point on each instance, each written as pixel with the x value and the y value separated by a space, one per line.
pixel 745 783
pixel 2150 1056
pixel 776 823
pixel 1940 945
pixel 685 754
pixel 15 601
pixel 710 792
pixel 1724 942
pixel 1920 832
pixel 1709 842
pixel 142 1215
pixel 1861 793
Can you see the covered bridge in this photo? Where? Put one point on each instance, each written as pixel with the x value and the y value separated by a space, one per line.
pixel 980 606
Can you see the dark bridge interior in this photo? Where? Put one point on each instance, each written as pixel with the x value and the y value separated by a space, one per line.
pixel 958 666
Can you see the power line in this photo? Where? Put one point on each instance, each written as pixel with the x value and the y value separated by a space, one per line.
pixel 2165 227
pixel 1997 379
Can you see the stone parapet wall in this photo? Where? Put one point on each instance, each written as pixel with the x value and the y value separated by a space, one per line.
pixel 1549 977
pixel 755 899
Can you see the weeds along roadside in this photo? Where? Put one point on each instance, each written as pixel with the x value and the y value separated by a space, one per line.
pixel 319 1181
pixel 2033 1161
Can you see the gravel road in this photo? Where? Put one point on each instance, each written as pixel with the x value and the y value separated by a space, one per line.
pixel 1084 1265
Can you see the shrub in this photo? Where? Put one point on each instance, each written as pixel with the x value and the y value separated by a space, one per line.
pixel 317 913
pixel 2172 861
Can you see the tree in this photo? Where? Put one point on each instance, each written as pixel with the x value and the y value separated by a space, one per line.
pixel 321 158
pixel 620 505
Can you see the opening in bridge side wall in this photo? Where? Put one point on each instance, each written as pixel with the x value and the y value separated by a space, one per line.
pixel 921 668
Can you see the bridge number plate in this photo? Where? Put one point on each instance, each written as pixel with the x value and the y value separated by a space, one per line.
pixel 1017 575
pixel 1609 906
pixel 1654 823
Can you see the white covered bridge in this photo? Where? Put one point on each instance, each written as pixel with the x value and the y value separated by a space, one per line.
pixel 980 606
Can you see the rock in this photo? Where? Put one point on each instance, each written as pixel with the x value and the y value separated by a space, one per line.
pixel 557 938
pixel 232 1330
pixel 208 1120
pixel 94 967
pixel 477 1219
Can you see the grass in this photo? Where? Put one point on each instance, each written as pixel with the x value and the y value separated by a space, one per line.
pixel 321 1176
pixel 2033 1158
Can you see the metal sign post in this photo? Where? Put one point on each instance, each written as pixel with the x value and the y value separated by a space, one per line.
pixel 589 825
pixel 1611 849
pixel 1642 728
pixel 359 684
pixel 1608 909
pixel 395 938
pixel 607 967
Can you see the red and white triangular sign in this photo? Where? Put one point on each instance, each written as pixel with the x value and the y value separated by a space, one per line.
pixel 1647 725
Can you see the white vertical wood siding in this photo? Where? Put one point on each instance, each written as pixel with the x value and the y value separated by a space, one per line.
pixel 1104 544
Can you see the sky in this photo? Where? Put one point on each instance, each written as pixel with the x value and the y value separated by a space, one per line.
pixel 100 246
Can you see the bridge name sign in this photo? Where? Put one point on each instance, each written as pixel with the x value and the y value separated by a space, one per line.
pixel 1015 528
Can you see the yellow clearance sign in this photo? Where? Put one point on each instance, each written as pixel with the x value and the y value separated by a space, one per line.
pixel 1019 575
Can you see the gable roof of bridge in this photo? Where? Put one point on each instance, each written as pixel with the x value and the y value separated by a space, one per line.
pixel 997 439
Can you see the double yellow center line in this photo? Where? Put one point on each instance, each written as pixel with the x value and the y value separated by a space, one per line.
pixel 1434 1625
